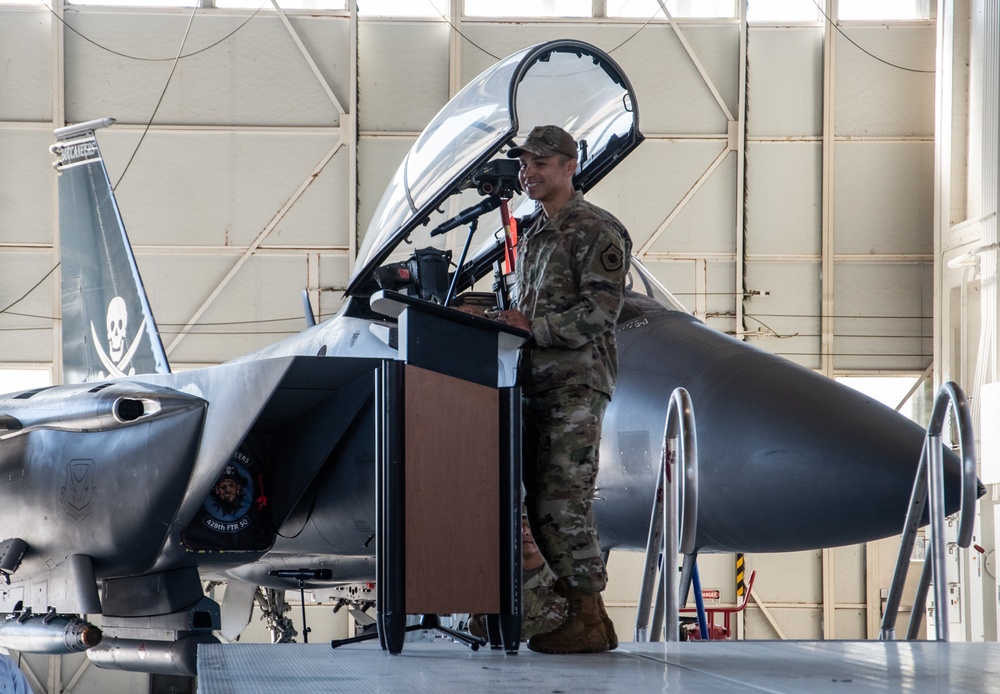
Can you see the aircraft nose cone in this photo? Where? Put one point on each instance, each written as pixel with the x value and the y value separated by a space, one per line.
pixel 788 459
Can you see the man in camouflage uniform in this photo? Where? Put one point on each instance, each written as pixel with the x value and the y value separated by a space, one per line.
pixel 571 267
pixel 544 606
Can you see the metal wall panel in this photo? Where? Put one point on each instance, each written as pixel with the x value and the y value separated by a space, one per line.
pixel 402 74
pixel 720 290
pixel 261 304
pixel 785 315
pixel 786 81
pixel 651 184
pixel 27 187
pixel 257 76
pixel 802 623
pixel 849 575
pixel 26 326
pixel 666 171
pixel 884 202
pixel 882 316
pixel 57 671
pixel 177 283
pixel 706 224
pixel 382 156
pixel 244 123
pixel 26 77
pixel 784 205
pixel 681 276
pixel 793 577
pixel 222 189
pixel 705 288
pixel 877 100
pixel 673 98
pixel 850 621
pixel 332 271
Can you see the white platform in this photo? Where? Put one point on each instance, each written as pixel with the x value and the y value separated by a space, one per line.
pixel 815 667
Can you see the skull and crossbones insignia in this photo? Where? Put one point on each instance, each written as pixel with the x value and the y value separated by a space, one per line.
pixel 117 323
pixel 121 349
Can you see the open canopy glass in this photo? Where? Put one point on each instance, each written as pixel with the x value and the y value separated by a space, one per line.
pixel 459 157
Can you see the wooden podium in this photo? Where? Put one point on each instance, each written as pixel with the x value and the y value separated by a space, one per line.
pixel 448 471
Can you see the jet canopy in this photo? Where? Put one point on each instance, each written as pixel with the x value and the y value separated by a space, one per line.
pixel 459 157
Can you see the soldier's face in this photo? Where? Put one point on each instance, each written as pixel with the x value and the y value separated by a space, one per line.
pixel 545 178
pixel 531 557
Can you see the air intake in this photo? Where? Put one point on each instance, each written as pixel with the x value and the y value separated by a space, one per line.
pixel 129 410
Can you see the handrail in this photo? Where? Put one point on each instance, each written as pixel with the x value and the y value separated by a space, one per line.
pixel 682 425
pixel 674 532
pixel 726 612
pixel 967 448
pixel 930 478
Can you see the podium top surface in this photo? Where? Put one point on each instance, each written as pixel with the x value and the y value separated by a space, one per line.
pixel 392 304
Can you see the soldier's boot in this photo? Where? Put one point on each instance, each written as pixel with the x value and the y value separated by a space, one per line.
pixel 477 625
pixel 582 632
pixel 609 626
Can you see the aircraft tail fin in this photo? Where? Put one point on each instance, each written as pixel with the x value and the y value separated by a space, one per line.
pixel 108 327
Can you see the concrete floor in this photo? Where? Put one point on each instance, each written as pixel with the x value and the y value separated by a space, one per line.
pixel 441 666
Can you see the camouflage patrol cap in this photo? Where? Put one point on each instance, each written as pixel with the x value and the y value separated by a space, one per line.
pixel 544 141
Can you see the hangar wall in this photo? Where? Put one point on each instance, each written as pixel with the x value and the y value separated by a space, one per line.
pixel 967 153
pixel 257 163
pixel 269 144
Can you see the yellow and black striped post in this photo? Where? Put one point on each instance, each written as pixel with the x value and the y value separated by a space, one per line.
pixel 741 591
pixel 741 581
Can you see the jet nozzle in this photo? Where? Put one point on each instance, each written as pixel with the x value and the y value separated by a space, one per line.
pixel 54 635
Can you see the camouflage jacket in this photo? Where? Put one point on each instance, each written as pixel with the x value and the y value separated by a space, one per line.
pixel 571 283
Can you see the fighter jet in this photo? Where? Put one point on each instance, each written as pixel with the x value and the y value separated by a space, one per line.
pixel 120 490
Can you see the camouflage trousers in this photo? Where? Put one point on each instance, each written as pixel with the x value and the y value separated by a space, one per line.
pixel 562 434
pixel 543 608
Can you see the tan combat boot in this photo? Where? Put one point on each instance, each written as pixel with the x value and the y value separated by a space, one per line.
pixel 582 632
pixel 477 626
pixel 609 626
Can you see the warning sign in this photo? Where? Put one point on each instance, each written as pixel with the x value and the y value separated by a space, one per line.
pixel 711 596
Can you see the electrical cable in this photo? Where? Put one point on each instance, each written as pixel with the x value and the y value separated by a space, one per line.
pixel 152 60
pixel 33 288
pixel 495 57
pixel 635 33
pixel 459 31
pixel 766 326
pixel 159 101
pixel 866 52
pixel 175 59
pixel 322 317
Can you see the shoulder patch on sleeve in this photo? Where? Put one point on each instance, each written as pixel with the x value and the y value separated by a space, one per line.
pixel 612 258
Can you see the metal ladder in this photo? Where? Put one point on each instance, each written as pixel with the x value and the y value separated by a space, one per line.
pixel 673 532
pixel 930 474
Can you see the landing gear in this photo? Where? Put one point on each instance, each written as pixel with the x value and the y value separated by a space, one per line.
pixel 275 610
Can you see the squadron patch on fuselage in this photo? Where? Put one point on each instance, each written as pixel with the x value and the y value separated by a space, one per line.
pixel 233 514
pixel 229 500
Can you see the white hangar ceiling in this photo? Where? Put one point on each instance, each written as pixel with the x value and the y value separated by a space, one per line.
pixel 273 135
